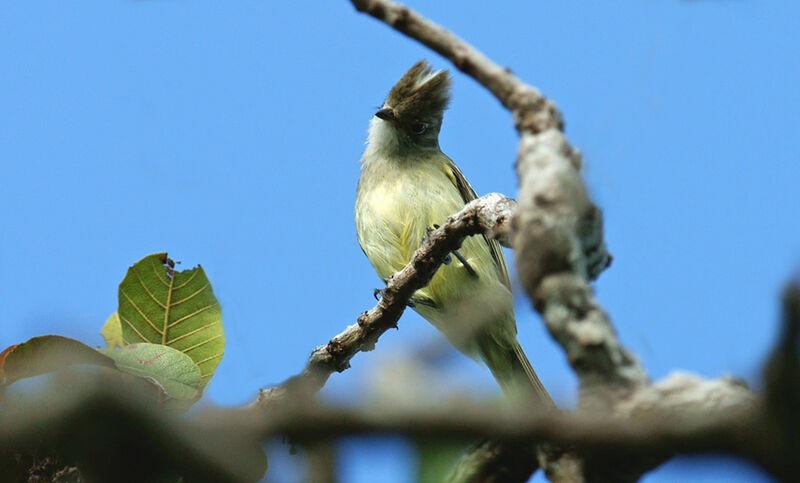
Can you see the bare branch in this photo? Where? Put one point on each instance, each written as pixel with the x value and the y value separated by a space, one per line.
pixel 557 231
pixel 684 414
pixel 532 111
pixel 681 414
pixel 490 215
pixel 716 405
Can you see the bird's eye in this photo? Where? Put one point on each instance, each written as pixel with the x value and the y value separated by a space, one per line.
pixel 419 128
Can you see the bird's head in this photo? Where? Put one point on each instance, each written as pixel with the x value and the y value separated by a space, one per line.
pixel 411 116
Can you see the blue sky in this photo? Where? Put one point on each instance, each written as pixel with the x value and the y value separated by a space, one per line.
pixel 228 134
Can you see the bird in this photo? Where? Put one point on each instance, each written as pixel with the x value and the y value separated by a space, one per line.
pixel 406 186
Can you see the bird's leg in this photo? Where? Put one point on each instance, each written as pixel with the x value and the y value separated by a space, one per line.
pixel 422 301
pixel 466 264
pixel 412 302
pixel 459 256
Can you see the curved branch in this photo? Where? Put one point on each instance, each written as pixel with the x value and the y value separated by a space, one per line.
pixel 489 215
pixel 557 230
pixel 532 111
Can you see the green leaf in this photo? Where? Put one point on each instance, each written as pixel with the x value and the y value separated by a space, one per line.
pixel 112 331
pixel 160 305
pixel 47 353
pixel 172 370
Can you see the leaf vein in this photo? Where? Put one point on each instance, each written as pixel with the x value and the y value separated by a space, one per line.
pixel 139 310
pixel 170 291
pixel 202 309
pixel 188 297
pixel 191 277
pixel 158 274
pixel 195 331
pixel 212 339
pixel 209 358
pixel 141 282
pixel 134 329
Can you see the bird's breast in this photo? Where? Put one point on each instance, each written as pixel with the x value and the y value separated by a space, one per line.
pixel 394 208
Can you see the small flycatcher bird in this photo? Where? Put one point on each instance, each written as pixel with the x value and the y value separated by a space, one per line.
pixel 408 185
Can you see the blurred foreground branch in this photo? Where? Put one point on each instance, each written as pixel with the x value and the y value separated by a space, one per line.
pixel 108 433
pixel 104 428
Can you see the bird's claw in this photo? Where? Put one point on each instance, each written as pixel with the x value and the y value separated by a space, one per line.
pixel 428 231
pixel 449 259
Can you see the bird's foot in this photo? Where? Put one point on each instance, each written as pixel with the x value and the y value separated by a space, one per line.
pixel 414 301
pixel 448 259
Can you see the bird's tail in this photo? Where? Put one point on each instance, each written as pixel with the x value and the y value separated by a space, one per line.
pixel 514 373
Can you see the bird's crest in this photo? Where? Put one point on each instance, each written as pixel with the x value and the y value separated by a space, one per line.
pixel 422 92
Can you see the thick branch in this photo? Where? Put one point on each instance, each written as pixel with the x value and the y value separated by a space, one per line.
pixel 557 240
pixel 707 410
pixel 490 215
pixel 684 414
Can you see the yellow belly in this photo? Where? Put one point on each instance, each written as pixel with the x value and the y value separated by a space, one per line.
pixel 393 210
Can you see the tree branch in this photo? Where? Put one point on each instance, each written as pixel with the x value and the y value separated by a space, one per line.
pixel 531 110
pixel 625 427
pixel 489 215
pixel 684 413
pixel 88 415
pixel 681 414
pixel 706 410
pixel 557 231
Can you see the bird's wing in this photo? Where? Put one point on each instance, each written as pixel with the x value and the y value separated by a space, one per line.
pixel 468 194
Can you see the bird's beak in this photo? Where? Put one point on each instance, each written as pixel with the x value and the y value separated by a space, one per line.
pixel 387 114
